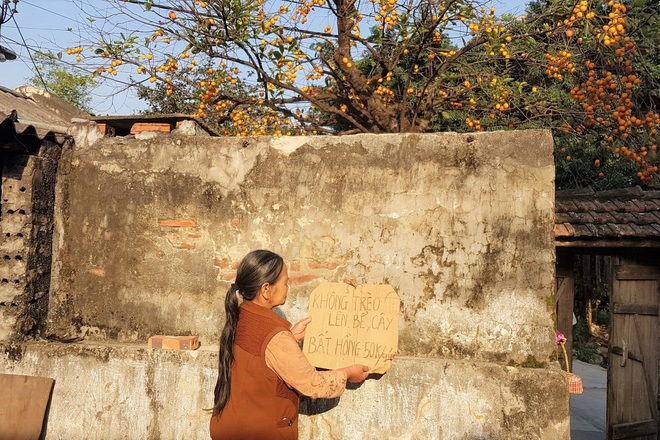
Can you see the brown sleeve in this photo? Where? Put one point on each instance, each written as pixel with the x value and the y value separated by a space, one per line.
pixel 286 359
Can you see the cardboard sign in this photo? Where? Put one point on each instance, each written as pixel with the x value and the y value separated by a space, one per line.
pixel 352 325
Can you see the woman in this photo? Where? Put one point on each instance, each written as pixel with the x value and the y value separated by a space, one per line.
pixel 262 370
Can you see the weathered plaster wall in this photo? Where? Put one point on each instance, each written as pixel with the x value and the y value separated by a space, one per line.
pixel 148 233
pixel 460 225
pixel 110 391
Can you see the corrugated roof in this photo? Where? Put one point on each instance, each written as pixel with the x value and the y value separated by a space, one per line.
pixel 33 112
pixel 629 213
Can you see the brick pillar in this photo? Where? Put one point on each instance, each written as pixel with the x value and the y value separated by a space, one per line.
pixel 26 230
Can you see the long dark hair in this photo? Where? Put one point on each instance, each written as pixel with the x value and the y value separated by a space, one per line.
pixel 256 268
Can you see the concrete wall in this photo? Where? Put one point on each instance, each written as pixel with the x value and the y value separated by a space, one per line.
pixel 120 391
pixel 149 232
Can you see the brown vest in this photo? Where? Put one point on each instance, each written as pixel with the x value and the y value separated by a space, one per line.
pixel 261 406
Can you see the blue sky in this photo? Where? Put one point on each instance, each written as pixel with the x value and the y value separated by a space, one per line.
pixel 52 24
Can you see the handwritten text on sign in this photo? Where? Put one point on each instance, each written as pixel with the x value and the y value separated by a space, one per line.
pixel 352 325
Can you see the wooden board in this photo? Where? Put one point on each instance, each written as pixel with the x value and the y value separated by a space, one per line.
pixel 632 382
pixel 24 405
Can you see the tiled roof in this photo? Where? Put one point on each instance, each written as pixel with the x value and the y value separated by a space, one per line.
pixel 629 213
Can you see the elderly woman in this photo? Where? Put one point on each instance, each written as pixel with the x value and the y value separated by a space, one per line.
pixel 262 371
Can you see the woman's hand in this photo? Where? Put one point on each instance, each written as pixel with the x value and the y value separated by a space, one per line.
pixel 356 373
pixel 298 330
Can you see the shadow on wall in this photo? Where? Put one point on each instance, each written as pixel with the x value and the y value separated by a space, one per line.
pixel 311 407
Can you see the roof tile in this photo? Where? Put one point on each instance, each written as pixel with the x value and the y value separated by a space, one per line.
pixel 582 231
pixel 562 217
pixel 649 231
pixel 603 217
pixel 561 230
pixel 581 217
pixel 641 206
pixel 608 206
pixel 604 231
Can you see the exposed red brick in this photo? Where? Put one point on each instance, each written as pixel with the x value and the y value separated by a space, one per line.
pixel 231 276
pixel 174 342
pixel 235 265
pixel 195 235
pixel 322 265
pixel 178 223
pixel 235 222
pixel 186 246
pixel 103 128
pixel 98 271
pixel 222 264
pixel 302 279
pixel 294 265
pixel 150 126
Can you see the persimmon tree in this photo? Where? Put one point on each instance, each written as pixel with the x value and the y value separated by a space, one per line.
pixel 387 66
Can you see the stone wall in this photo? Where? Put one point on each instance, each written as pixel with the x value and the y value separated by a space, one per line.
pixel 149 232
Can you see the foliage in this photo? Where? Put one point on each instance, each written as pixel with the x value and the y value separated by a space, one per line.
pixel 584 349
pixel 382 66
pixel 75 88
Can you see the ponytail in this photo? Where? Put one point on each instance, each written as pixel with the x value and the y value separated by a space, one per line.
pixel 256 268
pixel 226 359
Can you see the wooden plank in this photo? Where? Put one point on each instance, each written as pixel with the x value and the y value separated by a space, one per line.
pixel 635 309
pixel 637 273
pixel 632 388
pixel 634 429
pixel 24 405
pixel 568 242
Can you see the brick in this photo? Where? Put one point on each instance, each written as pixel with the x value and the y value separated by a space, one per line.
pixel 98 271
pixel 186 246
pixel 322 265
pixel 103 128
pixel 178 223
pixel 235 222
pixel 222 264
pixel 302 279
pixel 139 127
pixel 294 265
pixel 174 342
pixel 231 276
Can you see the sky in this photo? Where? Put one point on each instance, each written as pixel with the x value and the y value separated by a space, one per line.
pixel 53 24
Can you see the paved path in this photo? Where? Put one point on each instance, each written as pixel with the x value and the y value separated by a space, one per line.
pixel 588 409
